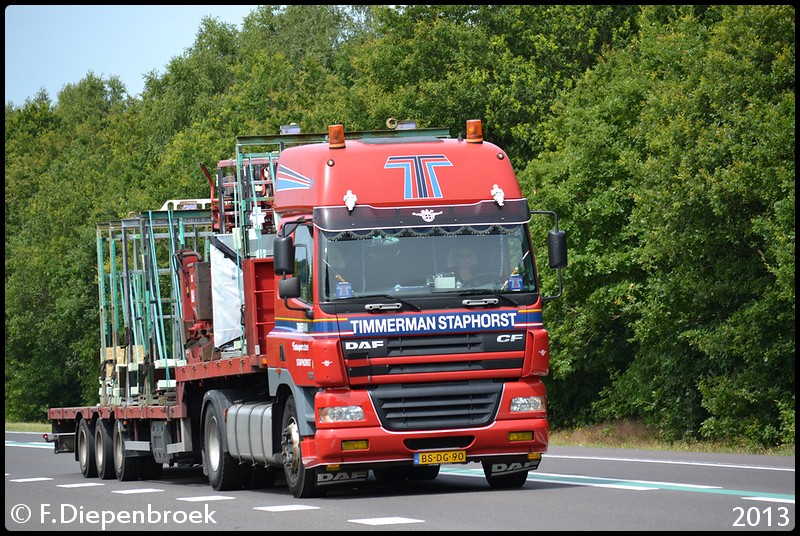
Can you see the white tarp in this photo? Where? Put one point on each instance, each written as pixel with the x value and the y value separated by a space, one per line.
pixel 225 297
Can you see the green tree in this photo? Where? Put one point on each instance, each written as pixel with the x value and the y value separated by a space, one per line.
pixel 673 163
pixel 55 184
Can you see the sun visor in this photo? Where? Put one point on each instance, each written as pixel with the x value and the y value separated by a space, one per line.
pixel 366 217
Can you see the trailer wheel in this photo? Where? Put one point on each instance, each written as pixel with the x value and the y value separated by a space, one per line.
pixel 104 449
pixel 126 467
pixel 224 472
pixel 300 480
pixel 85 448
pixel 506 481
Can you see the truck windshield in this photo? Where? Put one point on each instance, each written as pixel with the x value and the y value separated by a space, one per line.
pixel 420 261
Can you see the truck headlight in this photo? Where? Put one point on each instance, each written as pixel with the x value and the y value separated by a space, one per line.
pixel 341 413
pixel 527 403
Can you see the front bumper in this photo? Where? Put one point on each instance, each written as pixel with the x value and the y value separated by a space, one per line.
pixel 497 439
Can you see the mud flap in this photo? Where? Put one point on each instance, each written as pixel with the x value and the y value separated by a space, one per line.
pixel 325 478
pixel 505 468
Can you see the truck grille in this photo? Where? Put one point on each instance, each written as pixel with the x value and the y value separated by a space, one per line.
pixel 427 406
pixel 370 358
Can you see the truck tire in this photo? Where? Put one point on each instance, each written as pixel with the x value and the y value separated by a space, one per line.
pixel 85 449
pixel 126 467
pixel 505 481
pixel 302 482
pixel 224 472
pixel 104 449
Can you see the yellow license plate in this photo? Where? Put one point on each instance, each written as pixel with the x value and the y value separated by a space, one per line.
pixel 442 456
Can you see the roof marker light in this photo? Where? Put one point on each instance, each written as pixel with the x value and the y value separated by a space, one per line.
pixel 474 131
pixel 336 137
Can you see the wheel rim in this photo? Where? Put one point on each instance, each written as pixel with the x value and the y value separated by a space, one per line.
pixel 99 453
pixel 119 453
pixel 214 445
pixel 82 447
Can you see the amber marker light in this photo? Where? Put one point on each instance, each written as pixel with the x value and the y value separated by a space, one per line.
pixel 336 136
pixel 362 444
pixel 520 436
pixel 474 131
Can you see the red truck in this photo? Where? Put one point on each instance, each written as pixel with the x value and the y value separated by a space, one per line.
pixel 342 303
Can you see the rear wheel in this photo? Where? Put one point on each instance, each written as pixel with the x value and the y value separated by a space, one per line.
pixel 300 480
pixel 224 472
pixel 126 467
pixel 85 449
pixel 104 449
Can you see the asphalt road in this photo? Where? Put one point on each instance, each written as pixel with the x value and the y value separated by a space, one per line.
pixel 574 489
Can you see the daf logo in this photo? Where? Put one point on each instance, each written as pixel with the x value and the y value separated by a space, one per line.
pixel 513 337
pixel 427 215
pixel 362 345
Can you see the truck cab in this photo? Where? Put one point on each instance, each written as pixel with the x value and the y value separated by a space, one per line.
pixel 409 311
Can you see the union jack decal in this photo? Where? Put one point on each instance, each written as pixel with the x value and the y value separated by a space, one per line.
pixel 287 179
pixel 419 174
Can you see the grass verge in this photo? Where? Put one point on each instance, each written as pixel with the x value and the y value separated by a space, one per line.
pixel 633 435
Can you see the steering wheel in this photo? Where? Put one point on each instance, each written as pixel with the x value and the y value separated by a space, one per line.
pixel 484 278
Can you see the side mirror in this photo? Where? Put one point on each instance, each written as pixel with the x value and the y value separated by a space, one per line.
pixel 557 248
pixel 556 251
pixel 289 288
pixel 283 251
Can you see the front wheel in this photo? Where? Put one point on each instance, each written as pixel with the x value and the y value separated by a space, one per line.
pixel 504 481
pixel 300 480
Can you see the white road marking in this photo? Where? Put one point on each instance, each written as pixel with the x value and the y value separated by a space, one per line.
pixel 674 462
pixel 206 498
pixel 286 508
pixel 138 490
pixel 375 521
pixel 767 499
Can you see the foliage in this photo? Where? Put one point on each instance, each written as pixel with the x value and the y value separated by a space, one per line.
pixel 673 164
pixel 662 135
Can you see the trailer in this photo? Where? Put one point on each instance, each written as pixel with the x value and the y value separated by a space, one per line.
pixel 341 303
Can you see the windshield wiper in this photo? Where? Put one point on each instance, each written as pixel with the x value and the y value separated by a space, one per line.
pixel 486 301
pixel 398 303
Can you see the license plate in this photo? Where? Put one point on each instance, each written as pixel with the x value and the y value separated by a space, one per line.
pixel 441 456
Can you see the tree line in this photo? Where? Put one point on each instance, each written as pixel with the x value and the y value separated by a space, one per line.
pixel 664 137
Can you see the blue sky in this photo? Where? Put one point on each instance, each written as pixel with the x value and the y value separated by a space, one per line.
pixel 49 46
